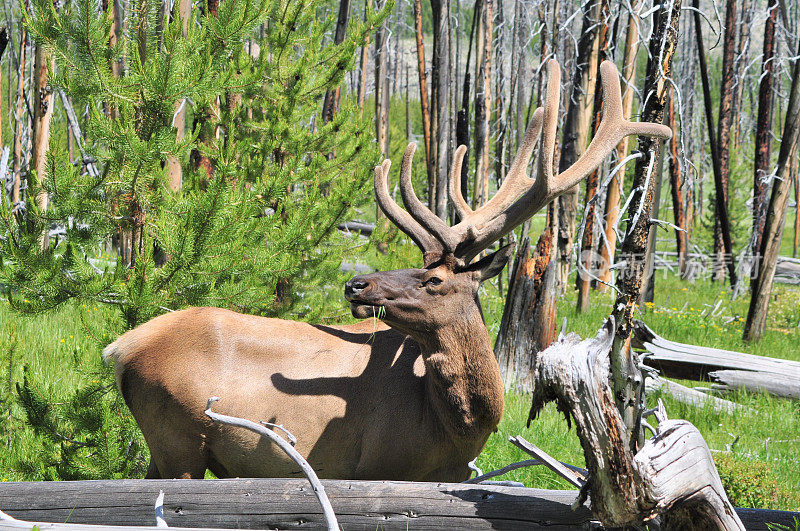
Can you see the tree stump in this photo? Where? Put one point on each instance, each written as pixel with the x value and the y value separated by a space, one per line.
pixel 673 475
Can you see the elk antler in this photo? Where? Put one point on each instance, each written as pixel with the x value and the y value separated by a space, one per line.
pixel 519 196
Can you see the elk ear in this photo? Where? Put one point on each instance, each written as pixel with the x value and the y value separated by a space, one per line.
pixel 491 265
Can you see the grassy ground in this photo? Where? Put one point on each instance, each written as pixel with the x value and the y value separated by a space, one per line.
pixel 61 352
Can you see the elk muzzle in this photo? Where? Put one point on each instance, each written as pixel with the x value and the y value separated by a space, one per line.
pixel 354 291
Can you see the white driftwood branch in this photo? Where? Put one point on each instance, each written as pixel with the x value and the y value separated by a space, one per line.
pixel 576 476
pixel 160 522
pixel 319 490
pixel 672 476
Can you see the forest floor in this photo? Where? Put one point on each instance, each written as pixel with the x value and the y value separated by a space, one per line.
pixel 757 451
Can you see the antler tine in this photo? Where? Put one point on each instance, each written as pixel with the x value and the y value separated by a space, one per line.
pixel 422 214
pixel 612 128
pixel 542 129
pixel 550 128
pixel 454 184
pixel 424 240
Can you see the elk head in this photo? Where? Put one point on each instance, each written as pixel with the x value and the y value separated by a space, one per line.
pixel 445 288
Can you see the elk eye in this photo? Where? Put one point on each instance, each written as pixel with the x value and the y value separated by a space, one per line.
pixel 433 281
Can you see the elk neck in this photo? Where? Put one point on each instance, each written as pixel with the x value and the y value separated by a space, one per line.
pixel 463 384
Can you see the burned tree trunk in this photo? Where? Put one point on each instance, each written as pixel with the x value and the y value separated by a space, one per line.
pixel 423 99
pixel 764 128
pixel 672 475
pixel 761 285
pixel 16 192
pixel 42 115
pixel 626 378
pixel 174 169
pixel 723 252
pixel 528 324
pixel 608 246
pixel 720 187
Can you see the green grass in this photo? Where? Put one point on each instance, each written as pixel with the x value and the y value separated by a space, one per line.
pixel 61 351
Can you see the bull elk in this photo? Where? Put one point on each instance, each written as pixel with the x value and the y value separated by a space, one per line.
pixel 412 399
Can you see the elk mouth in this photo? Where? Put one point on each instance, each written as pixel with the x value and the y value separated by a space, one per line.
pixel 366 310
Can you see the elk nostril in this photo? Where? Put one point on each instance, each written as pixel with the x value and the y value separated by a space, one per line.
pixel 358 285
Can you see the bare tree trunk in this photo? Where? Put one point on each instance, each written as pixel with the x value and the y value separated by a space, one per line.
pixel 42 115
pixel 739 68
pixel 626 377
pixel 3 44
pixel 174 169
pixel 676 185
pixel 763 138
pixel 483 104
pixel 576 129
pixel 761 286
pixel 719 185
pixel 423 101
pixel 796 207
pixel 441 111
pixel 586 250
pixel 723 253
pixel 381 87
pixel 331 102
pixel 408 107
pixel 362 80
pixel 16 193
pixel 612 212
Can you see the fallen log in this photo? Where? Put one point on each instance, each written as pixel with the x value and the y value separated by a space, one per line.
pixel 781 385
pixel 691 362
pixel 365 229
pixel 291 504
pixel 687 395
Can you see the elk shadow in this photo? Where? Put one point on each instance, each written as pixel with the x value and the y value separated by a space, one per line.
pixel 387 379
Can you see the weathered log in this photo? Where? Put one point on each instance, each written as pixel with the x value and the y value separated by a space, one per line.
pixel 671 476
pixel 692 397
pixel 781 385
pixel 290 504
pixel 691 362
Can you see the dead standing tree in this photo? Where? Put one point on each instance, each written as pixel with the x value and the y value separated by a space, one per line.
pixel 440 103
pixel 608 245
pixel 761 285
pixel 720 186
pixel 763 133
pixel 723 250
pixel 576 129
pixel 585 251
pixel 625 372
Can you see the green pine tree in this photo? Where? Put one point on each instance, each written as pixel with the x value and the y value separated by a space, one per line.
pixel 256 234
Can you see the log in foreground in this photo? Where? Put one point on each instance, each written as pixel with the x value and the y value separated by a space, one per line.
pixel 672 476
pixel 291 504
